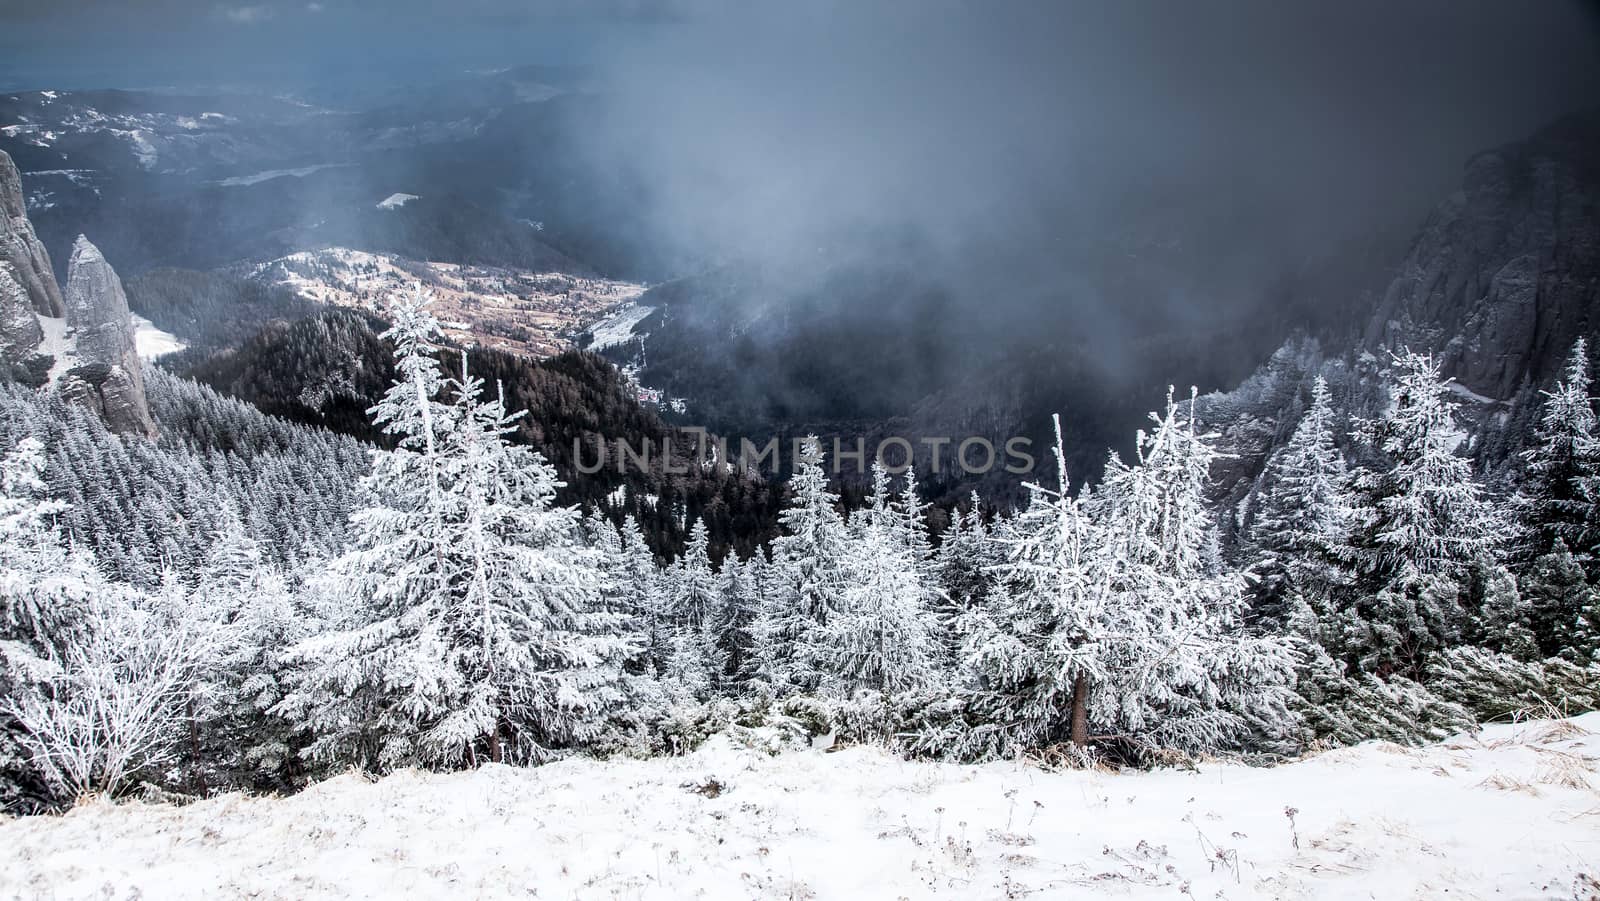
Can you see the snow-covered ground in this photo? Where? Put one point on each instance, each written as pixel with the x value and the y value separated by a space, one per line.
pixel 149 341
pixel 1509 813
pixel 152 342
pixel 618 327
pixel 519 310
pixel 396 201
pixel 269 174
pixel 56 344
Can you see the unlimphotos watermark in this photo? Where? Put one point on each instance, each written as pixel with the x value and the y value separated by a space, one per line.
pixel 974 455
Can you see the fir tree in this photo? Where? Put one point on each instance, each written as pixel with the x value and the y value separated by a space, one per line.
pixel 482 631
pixel 1421 524
pixel 694 606
pixel 1302 523
pixel 881 636
pixel 739 583
pixel 1107 620
pixel 1557 500
pixel 1558 600
pixel 45 599
pixel 806 582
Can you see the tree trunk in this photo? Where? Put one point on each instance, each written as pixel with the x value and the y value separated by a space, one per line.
pixel 194 748
pixel 1080 710
pixel 496 753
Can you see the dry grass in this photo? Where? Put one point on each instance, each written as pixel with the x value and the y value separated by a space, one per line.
pixel 1564 769
pixel 1503 782
pixel 1560 730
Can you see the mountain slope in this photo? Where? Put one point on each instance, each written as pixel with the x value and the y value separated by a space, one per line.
pixel 328 369
pixel 1505 274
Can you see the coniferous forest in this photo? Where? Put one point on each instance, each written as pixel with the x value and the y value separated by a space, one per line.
pixel 251 604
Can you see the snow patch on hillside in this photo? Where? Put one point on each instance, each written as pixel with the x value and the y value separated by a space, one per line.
pixel 396 201
pixel 521 311
pixel 1509 812
pixel 57 344
pixel 1467 394
pixel 152 342
pixel 618 327
pixel 258 177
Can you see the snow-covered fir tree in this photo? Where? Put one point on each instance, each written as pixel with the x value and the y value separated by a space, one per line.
pixel 694 600
pixel 1559 498
pixel 963 568
pixel 481 631
pixel 739 583
pixel 806 581
pixel 1300 531
pixel 45 598
pixel 1421 525
pixel 1036 645
pixel 882 635
pixel 1109 620
pixel 1180 668
pixel 1557 605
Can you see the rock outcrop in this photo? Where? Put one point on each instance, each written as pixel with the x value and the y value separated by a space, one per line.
pixel 20 333
pixel 106 374
pixel 1506 273
pixel 20 247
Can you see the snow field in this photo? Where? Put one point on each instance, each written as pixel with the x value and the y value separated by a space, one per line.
pixel 1508 813
pixel 618 327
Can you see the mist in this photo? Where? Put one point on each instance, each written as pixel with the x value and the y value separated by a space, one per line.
pixel 1118 183
pixel 1010 142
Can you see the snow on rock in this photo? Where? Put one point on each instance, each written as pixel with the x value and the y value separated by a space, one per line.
pixel 396 201
pixel 142 147
pixel 1508 813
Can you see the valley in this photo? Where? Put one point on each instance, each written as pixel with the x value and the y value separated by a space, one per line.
pixel 515 310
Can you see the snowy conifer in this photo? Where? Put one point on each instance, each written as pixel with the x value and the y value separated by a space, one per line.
pixel 1558 499
pixel 882 636
pixel 1302 523
pixel 482 631
pixel 806 581
pixel 1557 600
pixel 45 598
pixel 1421 524
pixel 1106 619
pixel 739 583
pixel 694 605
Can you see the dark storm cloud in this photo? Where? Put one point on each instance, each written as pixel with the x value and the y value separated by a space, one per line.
pixel 773 124
pixel 1036 155
pixel 1013 141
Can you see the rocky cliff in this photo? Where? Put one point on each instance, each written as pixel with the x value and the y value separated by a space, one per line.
pixel 20 247
pixel 20 333
pixel 1505 274
pixel 105 372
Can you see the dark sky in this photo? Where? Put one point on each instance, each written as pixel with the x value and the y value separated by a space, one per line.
pixel 1004 135
pixel 1015 139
